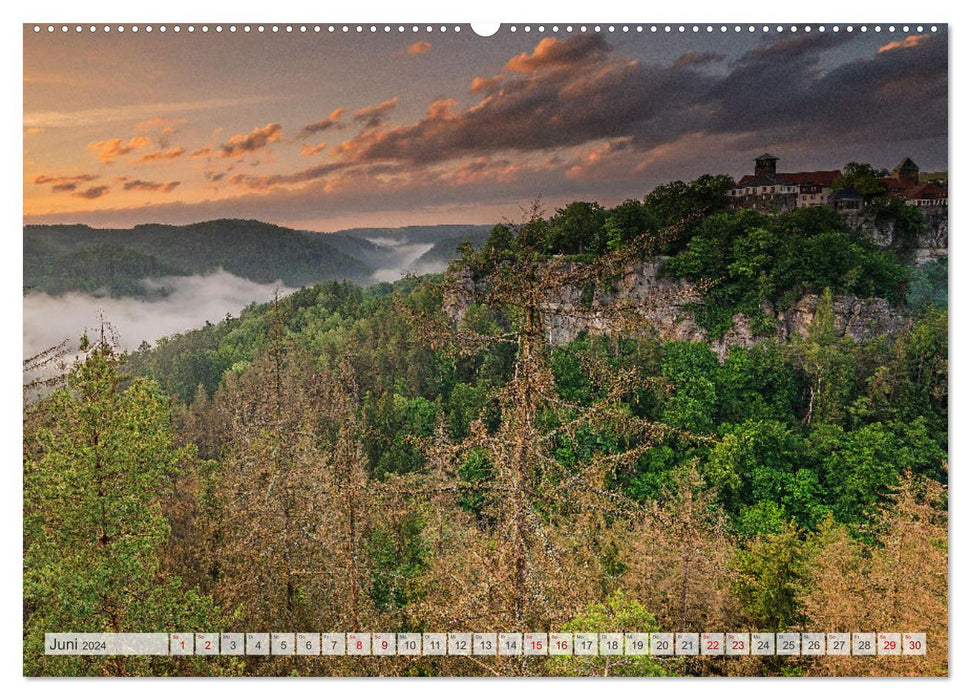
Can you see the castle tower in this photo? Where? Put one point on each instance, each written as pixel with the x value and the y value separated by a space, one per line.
pixel 907 172
pixel 765 164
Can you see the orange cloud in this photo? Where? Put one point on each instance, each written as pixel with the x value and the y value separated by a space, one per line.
pixel 205 151
pixel 693 58
pixel 418 48
pixel 441 109
pixel 154 156
pixel 908 43
pixel 480 83
pixel 552 53
pixel 253 141
pixel 33 130
pixel 308 150
pixel 111 149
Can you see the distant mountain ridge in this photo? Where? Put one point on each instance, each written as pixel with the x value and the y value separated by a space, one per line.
pixel 60 258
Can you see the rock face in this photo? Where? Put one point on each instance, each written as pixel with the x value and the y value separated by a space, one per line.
pixel 930 244
pixel 859 319
pixel 643 297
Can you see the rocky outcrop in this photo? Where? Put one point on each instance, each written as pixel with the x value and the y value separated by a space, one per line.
pixel 643 298
pixel 459 294
pixel 859 319
pixel 932 242
pixel 928 246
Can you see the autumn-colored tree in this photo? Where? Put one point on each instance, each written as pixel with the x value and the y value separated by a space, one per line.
pixel 272 561
pixel 546 515
pixel 680 560
pixel 897 584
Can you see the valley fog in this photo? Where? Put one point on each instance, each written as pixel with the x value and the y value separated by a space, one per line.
pixel 192 301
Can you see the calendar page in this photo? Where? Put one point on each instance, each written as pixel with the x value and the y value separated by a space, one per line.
pixel 536 349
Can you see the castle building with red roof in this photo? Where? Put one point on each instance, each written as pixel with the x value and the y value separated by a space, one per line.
pixel 773 192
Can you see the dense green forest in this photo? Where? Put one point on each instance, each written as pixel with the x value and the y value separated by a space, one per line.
pixel 350 458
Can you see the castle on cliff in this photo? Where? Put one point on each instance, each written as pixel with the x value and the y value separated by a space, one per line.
pixel 771 191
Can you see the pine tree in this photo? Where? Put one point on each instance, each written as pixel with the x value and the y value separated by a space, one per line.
pixel 95 475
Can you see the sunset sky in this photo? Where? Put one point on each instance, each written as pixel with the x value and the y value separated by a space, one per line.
pixel 326 131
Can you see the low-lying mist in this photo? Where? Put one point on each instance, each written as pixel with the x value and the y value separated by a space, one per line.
pixel 191 302
pixel 402 254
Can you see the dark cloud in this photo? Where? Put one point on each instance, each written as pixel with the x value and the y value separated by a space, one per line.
pixel 330 122
pixel 146 186
pixel 693 58
pixel 781 90
pixel 64 183
pixel 571 92
pixel 265 182
pixel 93 192
pixel 253 141
pixel 375 115
pixel 599 96
pixel 154 156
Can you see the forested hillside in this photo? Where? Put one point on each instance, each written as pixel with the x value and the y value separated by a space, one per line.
pixel 65 258
pixel 350 458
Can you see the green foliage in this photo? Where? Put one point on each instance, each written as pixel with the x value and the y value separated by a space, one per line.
pixel 772 576
pixel 94 477
pixel 679 200
pixel 908 221
pixel 627 221
pixel 395 420
pixel 474 470
pixel 928 285
pixel 398 556
pixel 759 463
pixel 689 369
pixel 829 363
pixel 756 383
pixel 751 260
pixel 577 228
pixel 863 178
pixel 618 613
pixel 99 269
pixel 860 468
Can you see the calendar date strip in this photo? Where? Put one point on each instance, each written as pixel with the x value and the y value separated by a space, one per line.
pixel 719 644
